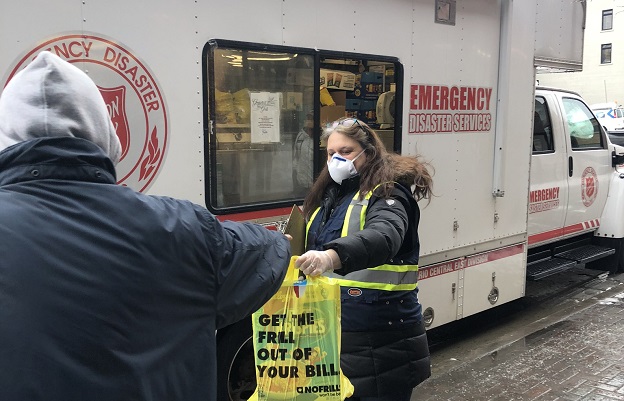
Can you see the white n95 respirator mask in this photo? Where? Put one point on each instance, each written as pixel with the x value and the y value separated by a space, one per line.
pixel 341 168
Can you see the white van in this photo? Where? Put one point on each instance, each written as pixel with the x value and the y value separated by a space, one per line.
pixel 611 117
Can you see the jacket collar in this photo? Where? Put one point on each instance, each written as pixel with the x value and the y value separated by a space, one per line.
pixel 349 185
pixel 62 158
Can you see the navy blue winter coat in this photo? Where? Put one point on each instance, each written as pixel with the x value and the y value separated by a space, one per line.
pixel 384 343
pixel 109 294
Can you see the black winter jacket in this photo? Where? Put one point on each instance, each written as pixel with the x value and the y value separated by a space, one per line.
pixel 384 344
pixel 389 230
pixel 109 294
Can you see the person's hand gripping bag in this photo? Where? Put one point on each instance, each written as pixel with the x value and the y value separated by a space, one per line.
pixel 297 342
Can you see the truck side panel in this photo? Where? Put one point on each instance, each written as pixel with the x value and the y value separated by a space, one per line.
pixel 464 161
pixel 467 93
pixel 559 34
pixel 165 37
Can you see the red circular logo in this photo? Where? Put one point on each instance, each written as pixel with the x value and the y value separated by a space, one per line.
pixel 132 96
pixel 589 186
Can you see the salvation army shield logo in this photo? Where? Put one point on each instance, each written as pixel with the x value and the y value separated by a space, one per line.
pixel 589 186
pixel 132 95
pixel 115 99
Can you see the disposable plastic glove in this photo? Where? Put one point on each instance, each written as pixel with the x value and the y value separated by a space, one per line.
pixel 315 263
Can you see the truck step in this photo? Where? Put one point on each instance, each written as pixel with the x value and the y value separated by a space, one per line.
pixel 586 253
pixel 542 267
pixel 548 267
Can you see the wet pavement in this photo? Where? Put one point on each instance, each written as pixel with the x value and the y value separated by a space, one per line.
pixel 563 341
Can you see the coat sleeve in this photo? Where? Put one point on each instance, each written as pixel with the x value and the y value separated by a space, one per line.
pixel 380 240
pixel 250 263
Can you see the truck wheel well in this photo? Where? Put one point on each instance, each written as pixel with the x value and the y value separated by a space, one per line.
pixel 236 375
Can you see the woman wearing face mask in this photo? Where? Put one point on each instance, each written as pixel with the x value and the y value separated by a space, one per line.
pixel 362 229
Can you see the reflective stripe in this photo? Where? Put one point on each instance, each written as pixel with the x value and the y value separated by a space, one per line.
pixel 384 277
pixel 396 268
pixel 358 208
pixel 305 244
pixel 376 286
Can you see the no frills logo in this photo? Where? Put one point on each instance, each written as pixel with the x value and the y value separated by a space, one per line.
pixel 132 96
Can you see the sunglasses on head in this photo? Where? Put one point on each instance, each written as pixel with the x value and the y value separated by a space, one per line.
pixel 347 122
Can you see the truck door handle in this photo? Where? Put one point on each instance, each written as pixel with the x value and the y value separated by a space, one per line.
pixel 570 166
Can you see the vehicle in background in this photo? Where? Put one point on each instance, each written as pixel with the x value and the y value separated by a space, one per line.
pixel 611 117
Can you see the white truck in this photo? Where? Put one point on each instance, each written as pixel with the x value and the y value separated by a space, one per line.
pixel 575 208
pixel 611 116
pixel 209 96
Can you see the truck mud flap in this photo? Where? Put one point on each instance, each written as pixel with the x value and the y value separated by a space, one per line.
pixel 564 260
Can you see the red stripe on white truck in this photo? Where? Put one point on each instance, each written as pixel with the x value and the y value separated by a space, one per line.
pixel 561 232
pixel 467 262
pixel 256 215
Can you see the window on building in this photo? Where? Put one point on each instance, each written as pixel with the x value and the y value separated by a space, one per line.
pixel 605 53
pixel 607 20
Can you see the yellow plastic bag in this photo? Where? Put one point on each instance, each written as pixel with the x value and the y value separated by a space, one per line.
pixel 297 342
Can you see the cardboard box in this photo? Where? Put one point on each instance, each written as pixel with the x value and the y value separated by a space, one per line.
pixel 353 104
pixel 330 114
pixel 369 77
pixel 335 79
pixel 340 97
pixel 296 228
pixel 352 113
pixel 234 137
pixel 366 91
pixel 368 116
pixel 378 68
pixel 368 104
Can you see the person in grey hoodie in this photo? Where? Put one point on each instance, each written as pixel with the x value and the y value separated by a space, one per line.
pixel 107 293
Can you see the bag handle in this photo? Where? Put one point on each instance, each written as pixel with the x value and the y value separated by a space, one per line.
pixel 293 274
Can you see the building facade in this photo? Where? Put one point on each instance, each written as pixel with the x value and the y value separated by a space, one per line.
pixel 602 77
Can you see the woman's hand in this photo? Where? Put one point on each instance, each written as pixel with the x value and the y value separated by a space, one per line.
pixel 315 263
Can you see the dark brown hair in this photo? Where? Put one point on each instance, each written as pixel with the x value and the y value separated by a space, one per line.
pixel 381 167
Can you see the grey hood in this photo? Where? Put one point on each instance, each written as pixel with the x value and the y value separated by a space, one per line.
pixel 53 98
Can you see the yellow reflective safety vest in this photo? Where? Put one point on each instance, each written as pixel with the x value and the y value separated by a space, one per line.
pixel 386 277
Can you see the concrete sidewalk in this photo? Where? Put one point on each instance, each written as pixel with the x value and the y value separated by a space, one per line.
pixel 566 347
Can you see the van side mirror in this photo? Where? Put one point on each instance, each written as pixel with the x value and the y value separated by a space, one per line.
pixel 616 159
